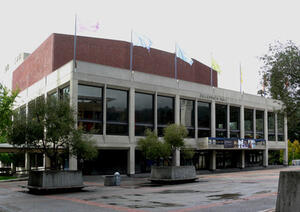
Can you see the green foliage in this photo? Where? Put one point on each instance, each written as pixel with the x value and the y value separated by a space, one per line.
pixel 174 135
pixel 281 78
pixel 50 129
pixel 6 105
pixel 293 151
pixel 188 153
pixel 83 149
pixel 152 148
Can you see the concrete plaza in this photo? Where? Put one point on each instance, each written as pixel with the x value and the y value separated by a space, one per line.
pixel 235 191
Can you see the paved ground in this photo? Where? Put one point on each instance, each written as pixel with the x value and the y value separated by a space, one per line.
pixel 238 191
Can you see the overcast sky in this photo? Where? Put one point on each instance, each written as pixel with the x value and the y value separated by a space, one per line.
pixel 233 31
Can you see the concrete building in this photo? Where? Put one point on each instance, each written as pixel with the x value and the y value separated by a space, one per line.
pixel 227 128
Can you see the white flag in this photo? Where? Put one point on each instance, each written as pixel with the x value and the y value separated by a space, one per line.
pixel 141 40
pixel 182 55
pixel 88 25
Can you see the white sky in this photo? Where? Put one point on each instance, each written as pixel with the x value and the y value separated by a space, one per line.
pixel 233 31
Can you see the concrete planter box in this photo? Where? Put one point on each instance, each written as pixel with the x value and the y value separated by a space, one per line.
pixel 173 173
pixel 47 180
pixel 288 191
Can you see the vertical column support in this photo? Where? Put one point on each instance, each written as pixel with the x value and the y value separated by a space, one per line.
pixel 73 103
pixel 155 111
pixel 243 158
pixel 242 121
pixel 213 160
pixel 131 160
pixel 131 115
pixel 213 155
pixel 196 119
pixel 242 133
pixel 276 127
pixel 254 123
pixel 104 112
pixel 266 151
pixel 285 155
pixel 213 119
pixel 228 121
pixel 176 155
pixel 27 161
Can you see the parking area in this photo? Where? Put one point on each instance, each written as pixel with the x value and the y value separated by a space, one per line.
pixel 236 191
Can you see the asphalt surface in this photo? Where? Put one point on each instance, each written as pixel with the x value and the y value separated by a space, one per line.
pixel 236 191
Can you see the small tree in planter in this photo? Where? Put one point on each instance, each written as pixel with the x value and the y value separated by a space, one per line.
pixel 174 135
pixel 153 149
pixel 49 128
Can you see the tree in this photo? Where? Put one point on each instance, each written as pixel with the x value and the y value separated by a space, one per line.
pixel 152 148
pixel 281 78
pixel 6 110
pixel 50 129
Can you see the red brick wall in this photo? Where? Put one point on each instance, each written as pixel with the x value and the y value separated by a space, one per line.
pixel 35 67
pixel 57 50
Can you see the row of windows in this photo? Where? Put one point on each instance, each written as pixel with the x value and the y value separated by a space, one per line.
pixel 90 115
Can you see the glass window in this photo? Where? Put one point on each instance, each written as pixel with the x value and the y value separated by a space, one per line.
pixel 234 122
pixel 144 113
pixel 221 120
pixel 90 109
pixel 248 117
pixel 64 93
pixel 280 126
pixel 259 124
pixel 271 126
pixel 203 119
pixel 23 111
pixel 187 116
pixel 165 112
pixel 117 112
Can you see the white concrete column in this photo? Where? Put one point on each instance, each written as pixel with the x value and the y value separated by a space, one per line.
pixel 228 121
pixel 27 161
pixel 254 123
pixel 213 118
pixel 131 160
pixel 213 160
pixel 155 111
pixel 132 115
pixel 73 102
pixel 243 159
pixel 104 112
pixel 196 119
pixel 177 109
pixel 266 151
pixel 176 155
pixel 285 155
pixel 242 122
pixel 276 128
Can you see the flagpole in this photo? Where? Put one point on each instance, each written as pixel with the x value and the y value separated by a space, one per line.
pixel 240 78
pixel 175 61
pixel 131 52
pixel 75 41
pixel 211 75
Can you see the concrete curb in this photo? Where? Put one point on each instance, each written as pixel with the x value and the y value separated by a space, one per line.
pixel 13 180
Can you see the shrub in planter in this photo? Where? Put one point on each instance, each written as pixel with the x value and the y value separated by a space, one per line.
pixel 50 128
pixel 156 150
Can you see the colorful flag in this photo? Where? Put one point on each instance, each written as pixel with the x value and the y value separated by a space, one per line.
pixel 141 40
pixel 215 66
pixel 182 55
pixel 88 25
